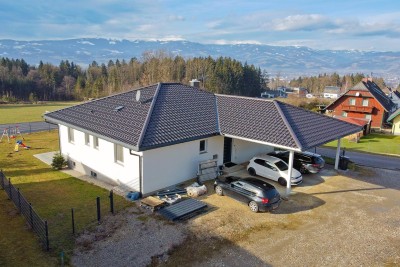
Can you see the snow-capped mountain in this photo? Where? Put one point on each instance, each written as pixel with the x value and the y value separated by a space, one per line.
pixel 295 60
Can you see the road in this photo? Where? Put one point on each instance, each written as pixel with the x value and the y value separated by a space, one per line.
pixel 27 127
pixel 365 159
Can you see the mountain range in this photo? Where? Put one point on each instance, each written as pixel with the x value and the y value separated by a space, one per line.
pixel 287 60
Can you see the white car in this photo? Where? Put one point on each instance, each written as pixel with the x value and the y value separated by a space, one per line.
pixel 273 168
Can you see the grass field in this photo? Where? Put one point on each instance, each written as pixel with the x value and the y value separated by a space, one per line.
pixel 13 113
pixel 52 194
pixel 372 143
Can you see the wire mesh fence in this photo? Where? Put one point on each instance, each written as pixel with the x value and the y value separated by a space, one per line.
pixel 37 224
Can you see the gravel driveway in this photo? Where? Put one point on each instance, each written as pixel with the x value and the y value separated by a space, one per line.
pixel 333 219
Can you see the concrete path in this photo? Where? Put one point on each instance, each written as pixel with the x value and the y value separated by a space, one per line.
pixel 365 159
pixel 48 158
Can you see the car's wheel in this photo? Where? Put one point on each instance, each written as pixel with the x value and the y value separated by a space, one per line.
pixel 219 191
pixel 253 206
pixel 252 171
pixel 282 181
pixel 303 170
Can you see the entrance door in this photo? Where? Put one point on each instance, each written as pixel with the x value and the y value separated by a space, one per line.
pixel 227 149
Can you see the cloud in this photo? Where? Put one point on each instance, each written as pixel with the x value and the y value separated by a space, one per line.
pixel 309 22
pixel 176 18
pixel 235 42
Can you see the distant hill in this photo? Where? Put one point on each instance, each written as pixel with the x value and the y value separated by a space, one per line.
pixel 284 59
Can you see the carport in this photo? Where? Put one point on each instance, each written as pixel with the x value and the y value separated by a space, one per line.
pixel 279 125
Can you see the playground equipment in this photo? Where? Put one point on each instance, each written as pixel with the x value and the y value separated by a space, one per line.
pixel 11 133
pixel 20 143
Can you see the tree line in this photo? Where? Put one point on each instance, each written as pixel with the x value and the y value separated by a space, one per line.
pixel 20 81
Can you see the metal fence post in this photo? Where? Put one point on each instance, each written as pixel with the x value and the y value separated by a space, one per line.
pixel 30 214
pixel 46 227
pixel 73 221
pixel 111 201
pixel 98 209
pixel 19 201
pixel 9 189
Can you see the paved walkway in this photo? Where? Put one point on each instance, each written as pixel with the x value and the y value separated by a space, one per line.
pixel 48 158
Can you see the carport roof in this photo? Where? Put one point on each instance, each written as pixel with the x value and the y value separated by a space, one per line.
pixel 276 123
pixel 169 113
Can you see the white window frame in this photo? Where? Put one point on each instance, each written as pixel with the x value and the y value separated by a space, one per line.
pixel 87 139
pixel 352 101
pixel 71 137
pixel 95 142
pixel 368 116
pixel 118 154
pixel 205 146
pixel 367 102
pixel 344 114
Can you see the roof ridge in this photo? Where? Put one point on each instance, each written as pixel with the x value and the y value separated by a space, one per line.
pixel 245 97
pixel 296 140
pixel 147 120
pixel 216 109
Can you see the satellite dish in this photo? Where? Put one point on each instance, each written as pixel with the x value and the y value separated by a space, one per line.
pixel 138 96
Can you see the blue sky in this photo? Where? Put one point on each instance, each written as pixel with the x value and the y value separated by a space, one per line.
pixel 320 24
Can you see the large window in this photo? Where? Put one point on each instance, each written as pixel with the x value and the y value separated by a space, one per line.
pixel 203 146
pixel 95 142
pixel 344 114
pixel 87 139
pixel 365 102
pixel 119 153
pixel 71 138
pixel 368 116
pixel 352 101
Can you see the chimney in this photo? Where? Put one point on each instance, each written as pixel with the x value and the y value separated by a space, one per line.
pixel 195 83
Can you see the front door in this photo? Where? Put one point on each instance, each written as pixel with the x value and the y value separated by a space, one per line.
pixel 227 149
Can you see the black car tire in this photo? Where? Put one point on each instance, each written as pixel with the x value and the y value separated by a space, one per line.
pixel 282 181
pixel 252 171
pixel 219 191
pixel 253 206
pixel 303 170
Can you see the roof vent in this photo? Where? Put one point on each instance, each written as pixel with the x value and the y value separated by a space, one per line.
pixel 137 98
pixel 119 108
pixel 195 83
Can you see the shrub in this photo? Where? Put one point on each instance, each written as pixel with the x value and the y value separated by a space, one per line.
pixel 59 162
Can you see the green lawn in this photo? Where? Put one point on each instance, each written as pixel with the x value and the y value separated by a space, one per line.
pixel 52 194
pixel 13 113
pixel 372 143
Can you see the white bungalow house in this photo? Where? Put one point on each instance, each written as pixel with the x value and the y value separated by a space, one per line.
pixel 154 137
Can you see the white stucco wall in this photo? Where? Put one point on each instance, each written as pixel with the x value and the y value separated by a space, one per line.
pixel 166 166
pixel 243 151
pixel 100 160
pixel 396 126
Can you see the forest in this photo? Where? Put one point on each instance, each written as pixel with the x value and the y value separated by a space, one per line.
pixel 20 81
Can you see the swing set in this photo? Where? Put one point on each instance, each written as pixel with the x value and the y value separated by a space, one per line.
pixel 11 133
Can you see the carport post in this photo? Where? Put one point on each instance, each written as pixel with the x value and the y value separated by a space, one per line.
pixel 337 155
pixel 288 181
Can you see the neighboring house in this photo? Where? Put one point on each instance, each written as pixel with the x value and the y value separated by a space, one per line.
pixel 365 100
pixel 394 95
pixel 331 92
pixel 297 92
pixel 156 136
pixel 395 120
pixel 279 92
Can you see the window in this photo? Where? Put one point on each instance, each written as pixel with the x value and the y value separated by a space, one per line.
pixel 365 102
pixel 95 142
pixel 87 139
pixel 203 146
pixel 119 153
pixel 344 114
pixel 71 138
pixel 368 116
pixel 352 101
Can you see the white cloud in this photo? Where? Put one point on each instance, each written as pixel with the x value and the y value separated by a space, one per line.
pixel 307 22
pixel 176 18
pixel 235 42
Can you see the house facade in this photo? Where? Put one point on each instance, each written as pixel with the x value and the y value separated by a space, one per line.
pixel 364 101
pixel 156 136
pixel 394 119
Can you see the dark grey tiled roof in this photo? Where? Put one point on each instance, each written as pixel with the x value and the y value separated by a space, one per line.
pixel 275 122
pixel 377 92
pixel 170 113
pixel 99 116
pixel 181 113
pixel 253 118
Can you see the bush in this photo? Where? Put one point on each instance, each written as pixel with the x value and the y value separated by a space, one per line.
pixel 59 162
